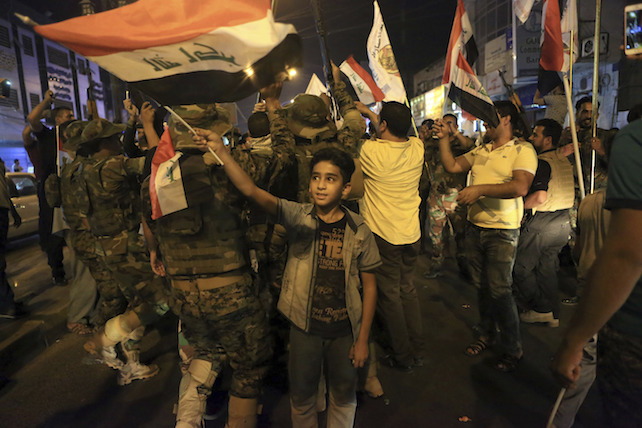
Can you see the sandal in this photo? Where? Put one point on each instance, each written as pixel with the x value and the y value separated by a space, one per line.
pixel 476 348
pixel 508 363
pixel 80 329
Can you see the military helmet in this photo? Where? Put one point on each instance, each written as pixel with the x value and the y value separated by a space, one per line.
pixel 308 117
pixel 100 128
pixel 206 116
pixel 73 135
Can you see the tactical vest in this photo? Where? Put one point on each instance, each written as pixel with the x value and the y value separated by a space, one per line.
pixel 561 187
pixel 207 238
pixel 111 210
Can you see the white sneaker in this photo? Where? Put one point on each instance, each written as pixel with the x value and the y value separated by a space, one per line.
pixel 531 317
pixel 135 371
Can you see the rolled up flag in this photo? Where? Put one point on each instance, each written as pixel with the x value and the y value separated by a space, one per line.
pixel 186 51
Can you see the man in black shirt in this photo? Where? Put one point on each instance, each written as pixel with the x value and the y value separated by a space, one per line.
pixel 51 244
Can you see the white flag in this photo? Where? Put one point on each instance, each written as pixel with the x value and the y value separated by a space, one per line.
pixel 316 87
pixel 522 9
pixel 382 60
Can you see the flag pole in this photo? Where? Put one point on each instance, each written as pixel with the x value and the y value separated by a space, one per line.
pixel 596 63
pixel 576 146
pixel 412 118
pixel 325 53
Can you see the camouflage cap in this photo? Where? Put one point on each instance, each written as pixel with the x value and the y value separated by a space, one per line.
pixel 308 117
pixel 100 128
pixel 207 116
pixel 73 135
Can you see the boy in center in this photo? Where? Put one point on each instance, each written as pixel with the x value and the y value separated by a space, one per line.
pixel 329 291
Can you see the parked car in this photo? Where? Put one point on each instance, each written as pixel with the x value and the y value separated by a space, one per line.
pixel 24 194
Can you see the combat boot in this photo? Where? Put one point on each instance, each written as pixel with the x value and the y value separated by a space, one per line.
pixel 134 370
pixel 241 412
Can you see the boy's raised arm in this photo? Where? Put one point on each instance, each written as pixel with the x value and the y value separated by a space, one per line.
pixel 211 140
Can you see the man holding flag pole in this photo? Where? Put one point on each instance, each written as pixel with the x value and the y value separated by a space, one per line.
pixel 503 170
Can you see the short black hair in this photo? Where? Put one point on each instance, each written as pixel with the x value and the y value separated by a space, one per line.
pixel 337 157
pixel 16 160
pixel 58 110
pixel 428 122
pixel 635 113
pixel 258 124
pixel 584 100
pixel 398 118
pixel 507 108
pixel 453 116
pixel 552 129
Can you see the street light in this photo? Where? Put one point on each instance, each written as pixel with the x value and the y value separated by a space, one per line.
pixel 5 88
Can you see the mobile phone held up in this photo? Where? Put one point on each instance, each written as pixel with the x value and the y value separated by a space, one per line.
pixel 633 29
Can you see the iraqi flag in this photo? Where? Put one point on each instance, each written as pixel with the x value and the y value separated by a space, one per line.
pixel 551 58
pixel 467 92
pixel 363 84
pixel 186 51
pixel 461 40
pixel 178 180
pixel 382 60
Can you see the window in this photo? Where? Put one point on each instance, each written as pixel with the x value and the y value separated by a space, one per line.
pixel 11 100
pixel 34 99
pixel 58 57
pixel 27 45
pixel 21 185
pixel 5 40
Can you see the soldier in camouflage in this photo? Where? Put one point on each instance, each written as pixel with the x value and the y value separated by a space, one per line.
pixel 73 198
pixel 443 210
pixel 114 217
pixel 202 250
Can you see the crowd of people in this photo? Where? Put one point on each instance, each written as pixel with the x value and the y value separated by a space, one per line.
pixel 299 241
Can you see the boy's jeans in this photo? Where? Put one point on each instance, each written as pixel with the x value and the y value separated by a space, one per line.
pixel 310 354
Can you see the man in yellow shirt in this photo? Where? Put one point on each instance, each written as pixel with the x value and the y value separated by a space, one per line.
pixel 392 166
pixel 502 172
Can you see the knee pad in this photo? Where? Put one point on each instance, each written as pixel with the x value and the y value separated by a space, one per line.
pixel 117 328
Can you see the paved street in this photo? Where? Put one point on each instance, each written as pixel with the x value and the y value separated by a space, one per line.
pixel 58 386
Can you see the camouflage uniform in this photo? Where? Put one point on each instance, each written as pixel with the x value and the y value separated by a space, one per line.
pixel 204 252
pixel 114 217
pixel 442 204
pixel 81 240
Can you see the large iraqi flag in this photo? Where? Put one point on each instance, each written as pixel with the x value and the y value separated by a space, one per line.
pixel 186 51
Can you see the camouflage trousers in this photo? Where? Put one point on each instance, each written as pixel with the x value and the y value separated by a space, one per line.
pixel 112 300
pixel 444 210
pixel 619 377
pixel 269 241
pixel 227 324
pixel 126 257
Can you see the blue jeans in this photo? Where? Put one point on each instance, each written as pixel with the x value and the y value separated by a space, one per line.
pixel 542 238
pixel 310 354
pixel 491 256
